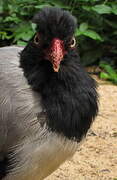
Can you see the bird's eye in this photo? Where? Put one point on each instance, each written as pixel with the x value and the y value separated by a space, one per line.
pixel 36 39
pixel 73 42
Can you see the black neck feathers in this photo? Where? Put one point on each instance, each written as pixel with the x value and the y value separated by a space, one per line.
pixel 69 96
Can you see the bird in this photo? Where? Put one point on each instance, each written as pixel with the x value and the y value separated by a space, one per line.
pixel 48 101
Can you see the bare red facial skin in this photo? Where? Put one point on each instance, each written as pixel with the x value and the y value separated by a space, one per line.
pixel 56 53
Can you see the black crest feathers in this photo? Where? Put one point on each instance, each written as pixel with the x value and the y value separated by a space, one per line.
pixel 55 22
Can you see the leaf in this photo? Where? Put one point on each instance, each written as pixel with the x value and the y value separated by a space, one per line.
pixel 104 75
pixel 102 9
pixel 23 31
pixel 77 32
pixel 33 25
pixel 89 33
pixel 93 35
pixel 114 9
pixel 4 35
pixel 42 5
pixel 112 75
pixel 87 8
pixel 12 18
pixel 21 43
pixel 83 26
pixel 107 67
pixel 60 4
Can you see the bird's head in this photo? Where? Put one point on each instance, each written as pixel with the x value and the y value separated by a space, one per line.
pixel 55 35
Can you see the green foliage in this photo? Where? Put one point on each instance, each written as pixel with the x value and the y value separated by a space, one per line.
pixel 84 30
pixel 97 30
pixel 96 33
pixel 109 73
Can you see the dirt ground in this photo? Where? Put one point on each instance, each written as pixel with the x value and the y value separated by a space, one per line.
pixel 97 157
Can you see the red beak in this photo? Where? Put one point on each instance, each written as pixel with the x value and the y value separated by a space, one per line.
pixel 56 53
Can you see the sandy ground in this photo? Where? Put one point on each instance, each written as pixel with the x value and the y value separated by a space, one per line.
pixel 97 157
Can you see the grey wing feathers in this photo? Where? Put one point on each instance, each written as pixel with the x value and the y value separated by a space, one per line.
pixel 18 105
pixel 10 53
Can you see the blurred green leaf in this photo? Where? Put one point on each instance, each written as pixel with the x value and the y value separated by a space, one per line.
pixel 24 31
pixel 92 34
pixel 12 18
pixel 87 8
pixel 104 75
pixel 42 5
pixel 109 69
pixel 102 9
pixel 89 33
pixel 21 43
pixel 60 4
pixel 109 73
pixel 114 8
pixel 83 27
pixel 33 25
pixel 4 35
